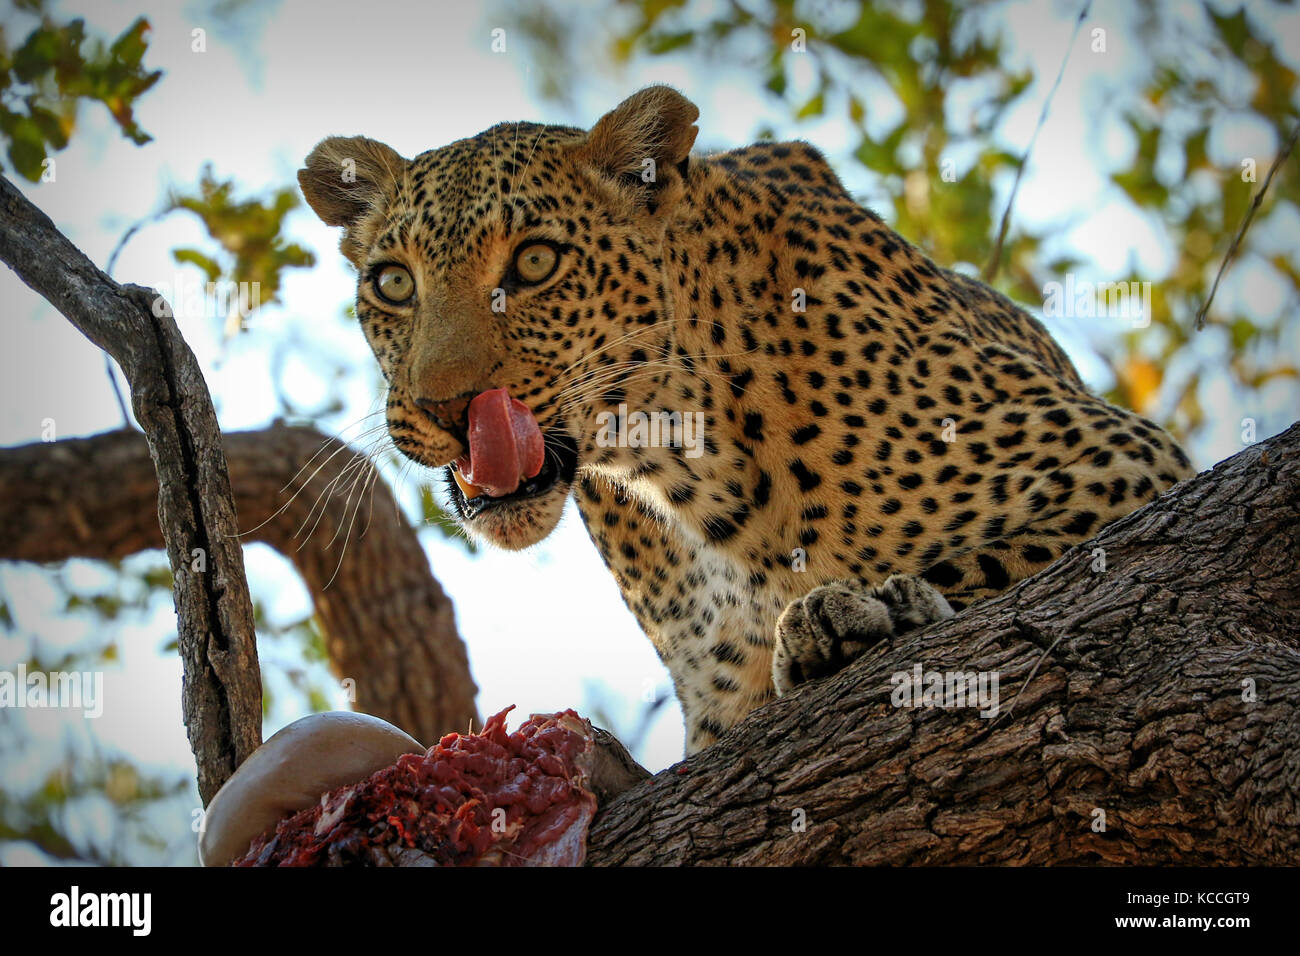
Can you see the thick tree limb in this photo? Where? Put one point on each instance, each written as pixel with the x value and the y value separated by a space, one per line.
pixel 1125 692
pixel 221 693
pixel 387 622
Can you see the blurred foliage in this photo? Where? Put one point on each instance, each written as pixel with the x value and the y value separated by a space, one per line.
pixel 138 815
pixel 89 805
pixel 1200 199
pixel 249 234
pixel 251 253
pixel 86 785
pixel 294 661
pixel 131 590
pixel 941 68
pixel 435 516
pixel 44 78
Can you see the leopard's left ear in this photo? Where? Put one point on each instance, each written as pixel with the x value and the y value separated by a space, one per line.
pixel 648 133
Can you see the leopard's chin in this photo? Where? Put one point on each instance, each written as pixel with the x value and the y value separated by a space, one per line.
pixel 529 513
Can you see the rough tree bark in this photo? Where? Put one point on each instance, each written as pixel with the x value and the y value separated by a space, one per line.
pixel 1126 691
pixel 221 695
pixel 388 625
pixel 1121 691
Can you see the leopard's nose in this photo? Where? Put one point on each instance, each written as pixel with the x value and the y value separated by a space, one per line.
pixel 449 414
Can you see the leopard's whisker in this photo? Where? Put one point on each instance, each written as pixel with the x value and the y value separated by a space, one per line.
pixel 318 507
pixel 341 447
pixel 351 522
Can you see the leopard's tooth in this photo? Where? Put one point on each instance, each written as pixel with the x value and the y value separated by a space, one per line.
pixel 468 490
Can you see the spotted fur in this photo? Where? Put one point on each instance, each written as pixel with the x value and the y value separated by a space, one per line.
pixel 909 424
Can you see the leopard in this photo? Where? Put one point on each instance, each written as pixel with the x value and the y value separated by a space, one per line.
pixel 882 442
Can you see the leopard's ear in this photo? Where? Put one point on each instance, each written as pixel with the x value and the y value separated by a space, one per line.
pixel 649 132
pixel 347 176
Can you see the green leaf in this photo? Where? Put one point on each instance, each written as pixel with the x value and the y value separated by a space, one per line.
pixel 192 256
pixel 882 155
pixel 661 43
pixel 129 48
pixel 1233 30
pixel 814 107
pixel 313 648
pixel 1243 331
pixel 27 150
pixel 37 55
pixel 776 81
pixel 158 578
pixel 1194 156
pixel 857 111
pixel 51 125
pixel 446 525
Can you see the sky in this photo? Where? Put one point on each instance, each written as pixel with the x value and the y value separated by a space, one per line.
pixel 416 76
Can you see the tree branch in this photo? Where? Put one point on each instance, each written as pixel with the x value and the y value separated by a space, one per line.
pixel 1133 707
pixel 221 692
pixel 387 622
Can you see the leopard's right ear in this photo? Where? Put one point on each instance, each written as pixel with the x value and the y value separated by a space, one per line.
pixel 346 177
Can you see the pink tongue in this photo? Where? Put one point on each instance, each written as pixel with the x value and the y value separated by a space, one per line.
pixel 505 444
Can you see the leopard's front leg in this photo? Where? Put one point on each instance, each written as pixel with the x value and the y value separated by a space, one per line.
pixel 821 632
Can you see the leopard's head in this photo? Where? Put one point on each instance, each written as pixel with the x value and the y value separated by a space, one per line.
pixel 527 258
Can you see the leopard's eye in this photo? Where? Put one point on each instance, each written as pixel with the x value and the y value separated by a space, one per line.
pixel 394 284
pixel 535 262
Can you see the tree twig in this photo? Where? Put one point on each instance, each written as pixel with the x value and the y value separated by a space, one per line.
pixel 1245 224
pixel 995 260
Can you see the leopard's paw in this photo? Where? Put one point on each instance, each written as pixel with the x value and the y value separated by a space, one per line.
pixel 831 625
